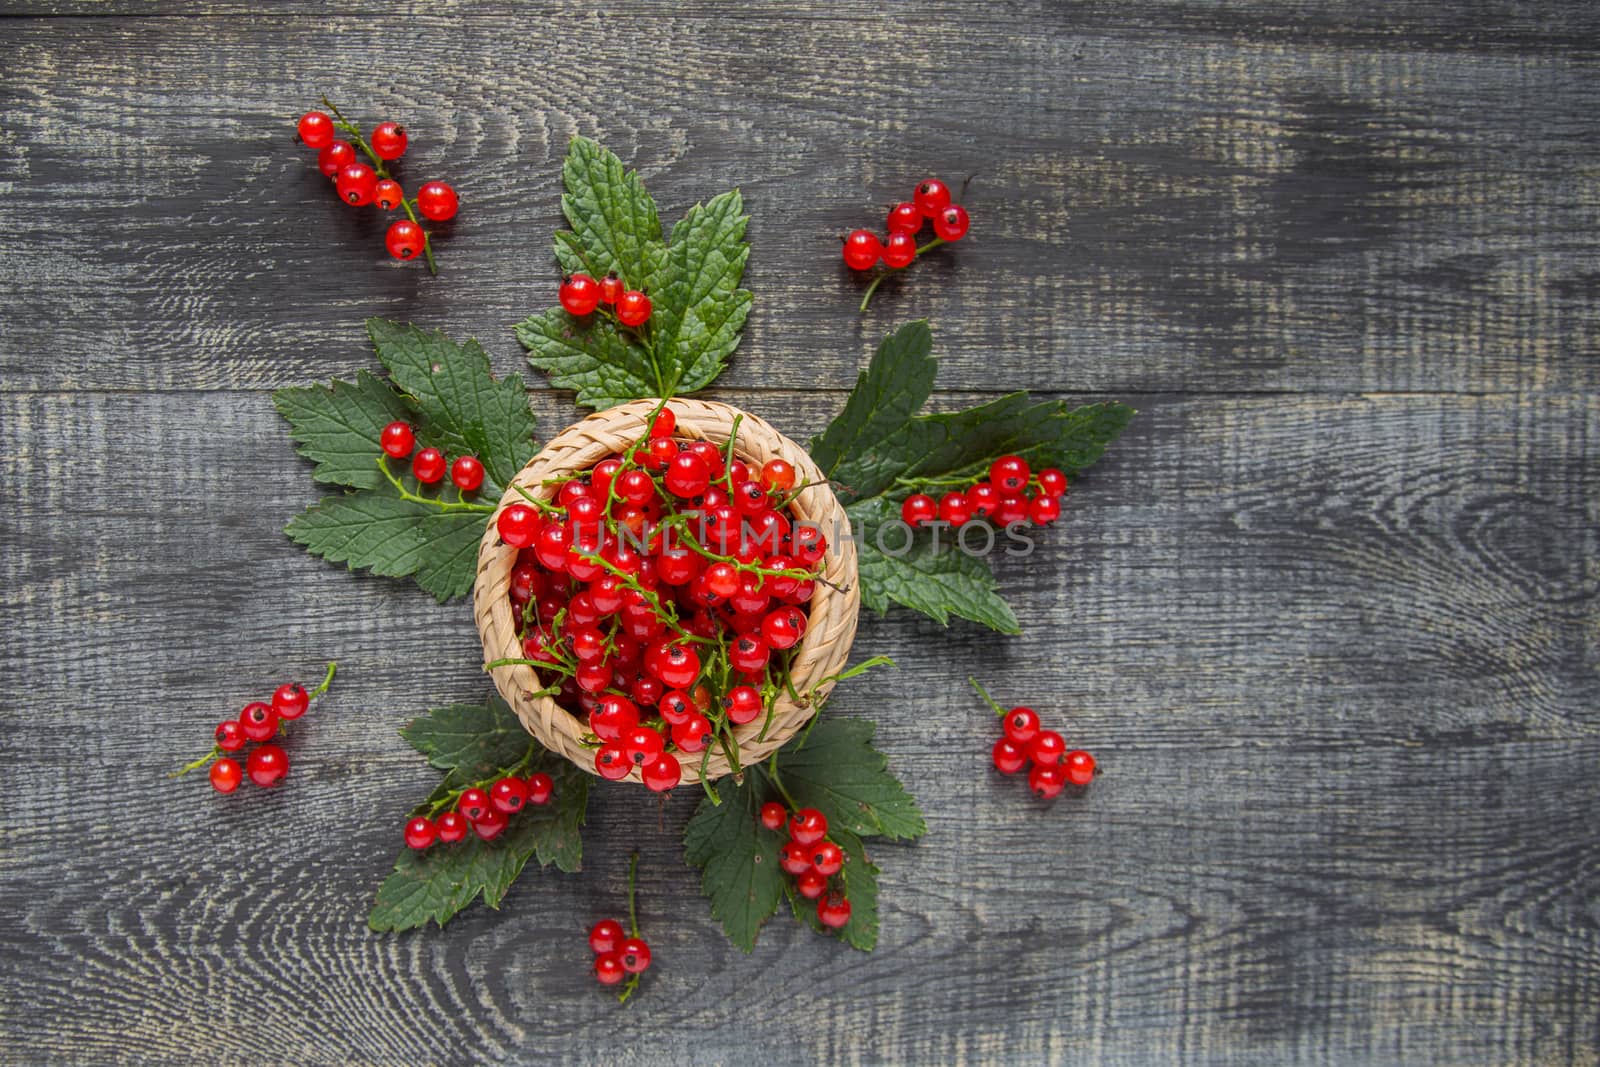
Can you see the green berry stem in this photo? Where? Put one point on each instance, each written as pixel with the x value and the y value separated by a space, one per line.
pixel 442 505
pixel 382 171
pixel 216 750
pixel 866 298
pixel 987 699
pixel 633 927
pixel 326 682
pixel 777 782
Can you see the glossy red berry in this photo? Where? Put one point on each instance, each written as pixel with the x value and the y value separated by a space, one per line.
pixel 467 473
pixel 633 308
pixel 258 721
pixel 1009 474
pixel 678 666
pixel 508 795
pixel 405 239
pixel 634 486
pixel 783 627
pixel 491 825
pixel 862 250
pixel 635 955
pixel 691 734
pixel 794 858
pixel 1079 767
pixel 315 129
pixel 642 745
pixel 899 251
pixel 230 736
pixel 743 704
pixel 427 466
pixel 811 885
pixel 357 184
pixel 267 765
pixel 1010 510
pixel 931 197
pixel 983 498
pixel 437 201
pixel 474 804
pixel 611 762
pixel 1009 757
pixel 388 194
pixel 518 525
pixel 225 775
pixel 954 509
pixel 608 968
pixel 1052 482
pixel 1021 725
pixel 541 787
pixel 607 935
pixel 388 140
pixel 1043 510
pixel 611 288
pixel 833 911
pixel 579 294
pixel 661 773
pixel 918 509
pixel 452 827
pixel 398 439
pixel 334 156
pixel 808 827
pixel 905 217
pixel 1047 748
pixel 749 653
pixel 687 475
pixel 827 858
pixel 1047 781
pixel 421 833
pixel 951 223
pixel 773 815
pixel 777 475
pixel 290 700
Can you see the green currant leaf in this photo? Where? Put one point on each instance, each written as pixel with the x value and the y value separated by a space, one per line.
pixel 738 857
pixel 477 738
pixel 590 356
pixel 836 770
pixel 340 427
pixel 379 531
pixel 699 307
pixel 614 222
pixel 860 881
pixel 888 393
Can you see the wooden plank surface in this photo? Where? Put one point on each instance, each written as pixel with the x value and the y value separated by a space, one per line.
pixel 1329 613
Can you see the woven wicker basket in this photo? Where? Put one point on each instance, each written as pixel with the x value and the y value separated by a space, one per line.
pixel 821 653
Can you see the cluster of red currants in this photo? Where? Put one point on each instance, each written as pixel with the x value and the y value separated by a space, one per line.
pixel 616 955
pixel 1025 742
pixel 359 184
pixel 811 858
pixel 484 807
pixel 664 587
pixel 1012 494
pixel 929 204
pixel 429 464
pixel 581 295
pixel 258 723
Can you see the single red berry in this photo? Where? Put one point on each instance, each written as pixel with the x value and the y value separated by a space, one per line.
pixel 905 217
pixel 437 201
pixel 607 935
pixel 773 815
pixel 405 239
pixel 611 288
pixel 634 486
pixel 794 858
pixel 1043 510
pixel 579 294
pixel 225 775
pixel 1079 767
pixel 951 223
pixel 743 704
pixel 808 827
pixel 642 745
pixel 1021 725
pixel 452 826
pixel 608 968
pixel 1011 509
pixel 491 825
pixel 811 884
pixel 722 579
pixel 427 466
pixel 899 251
pixel 777 475
pixel 983 499
pixel 592 677
pixel 687 475
pixel 833 911
pixel 1009 474
pixel 954 509
pixel 678 666
pixel 421 833
pixel 633 308
pixel 473 804
pixel 290 700
pixel 518 525
pixel 467 473
pixel 1047 748
pixel 931 197
pixel 267 765
pixel 1009 757
pixel 388 140
pixel 918 509
pixel 258 721
pixel 675 707
pixel 611 762
pixel 862 249
pixel 658 453
pixel 749 653
pixel 662 773
pixel 230 736
pixel 664 424
pixel 1051 482
pixel 388 194
pixel 1047 781
pixel 334 156
pixel 541 787
pixel 809 544
pixel 357 184
pixel 315 129
pixel 691 734
pixel 783 627
pixel 398 439
pixel 508 795
pixel 827 858
pixel 635 955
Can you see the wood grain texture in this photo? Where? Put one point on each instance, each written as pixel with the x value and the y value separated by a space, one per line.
pixel 1329 613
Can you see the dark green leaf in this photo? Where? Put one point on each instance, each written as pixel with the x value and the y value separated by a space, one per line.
pixel 614 222
pixel 477 738
pixel 340 427
pixel 377 530
pixel 591 357
pixel 837 771
pixel 937 581
pixel 739 858
pixel 888 393
pixel 860 879
pixel 699 307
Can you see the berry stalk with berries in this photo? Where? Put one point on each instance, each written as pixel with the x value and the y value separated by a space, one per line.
pixel 930 205
pixel 260 723
pixel 621 954
pixel 1024 741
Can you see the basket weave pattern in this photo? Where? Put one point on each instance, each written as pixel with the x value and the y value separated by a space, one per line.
pixel 832 610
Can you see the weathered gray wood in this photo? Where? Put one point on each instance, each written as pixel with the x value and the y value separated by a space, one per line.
pixel 1327 614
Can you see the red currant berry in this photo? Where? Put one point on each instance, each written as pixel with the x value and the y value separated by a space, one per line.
pixel 267 765
pixel 611 762
pixel 918 510
pixel 398 440
pixel 334 156
pixel 1009 757
pixel 635 955
pixel 662 773
pixel 541 787
pixel 437 201
pixel 794 858
pixel 607 935
pixel 230 736
pixel 642 745
pixel 388 194
pixel 658 453
pixel 1011 510
pixel 225 775
pixel 290 700
pixel 899 251
pixel 1052 482
pixel 743 704
pixel 664 424
pixel 931 197
pixel 678 666
pixel 1047 748
pixel 608 968
pixel 579 294
pixel 809 544
pixel 388 140
pixel 518 525
pixel 258 721
pixel 634 486
pixel 827 858
pixel 905 217
pixel 687 475
pixel 592 677
pixel 633 308
pixel 357 184
pixel 951 223
pixel 691 734
pixel 777 475
pixel 983 499
pixel 1021 725
pixel 315 129
pixel 467 473
pixel 611 288
pixel 491 825
pixel 811 885
pixel 749 654
pixel 1009 474
pixel 473 804
pixel 1043 510
pixel 508 795
pixel 1047 781
pixel 862 249
pixel 405 239
pixel 808 827
pixel 675 707
pixel 427 466
pixel 833 911
pixel 452 826
pixel 783 627
pixel 773 815
pixel 421 833
pixel 953 508
pixel 1079 767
